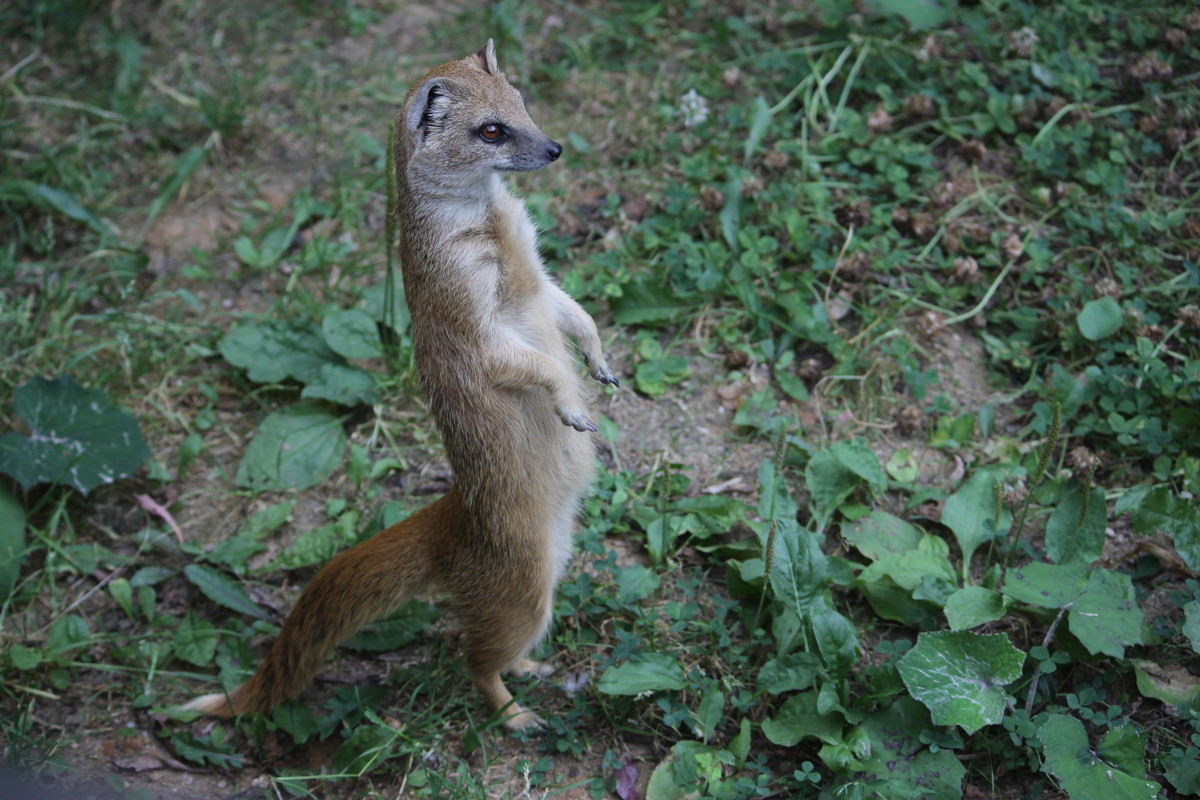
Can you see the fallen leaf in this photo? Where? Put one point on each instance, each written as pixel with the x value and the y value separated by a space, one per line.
pixel 138 763
pixel 627 777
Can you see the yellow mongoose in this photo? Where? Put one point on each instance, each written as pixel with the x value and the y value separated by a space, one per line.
pixel 490 339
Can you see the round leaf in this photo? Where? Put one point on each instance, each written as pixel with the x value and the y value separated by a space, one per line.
pixel 961 676
pixel 972 606
pixel 77 437
pixel 1099 318
pixel 351 333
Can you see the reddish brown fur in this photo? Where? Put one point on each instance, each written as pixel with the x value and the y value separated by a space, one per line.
pixel 490 338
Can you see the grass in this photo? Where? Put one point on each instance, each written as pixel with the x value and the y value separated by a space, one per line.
pixel 906 302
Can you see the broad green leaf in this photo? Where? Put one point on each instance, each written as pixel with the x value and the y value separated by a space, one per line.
pixel 797 719
pixel 1099 318
pixel 970 513
pixel 25 657
pixel 344 384
pixel 920 14
pixel 860 459
pixel 122 592
pixel 195 640
pixel 836 641
pixel 351 333
pixel 1102 612
pixel 790 673
pixel 67 633
pixel 296 719
pixel 653 672
pixel 635 582
pixel 961 676
pixel 972 606
pixel 148 576
pixel 1085 773
pixel 78 437
pixel 898 757
pixel 1046 585
pixel 247 252
pixel 689 762
pixel 909 569
pixel 234 552
pixel 895 603
pixel 1191 624
pixel 223 590
pixel 272 351
pixel 295 448
pixel 1182 770
pixel 261 523
pixel 710 712
pixel 1069 539
pixel 740 744
pixel 1125 747
pixel 774 499
pixel 833 473
pixel 1106 618
pixel 879 534
pixel 12 541
pixel 799 570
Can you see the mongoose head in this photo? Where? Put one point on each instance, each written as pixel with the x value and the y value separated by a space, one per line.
pixel 464 121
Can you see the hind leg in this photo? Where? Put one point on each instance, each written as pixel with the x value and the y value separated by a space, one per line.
pixel 498 640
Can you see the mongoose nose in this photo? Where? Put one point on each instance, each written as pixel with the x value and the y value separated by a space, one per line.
pixel 554 150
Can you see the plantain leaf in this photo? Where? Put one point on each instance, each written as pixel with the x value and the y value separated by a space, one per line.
pixel 652 672
pixel 295 448
pixel 223 590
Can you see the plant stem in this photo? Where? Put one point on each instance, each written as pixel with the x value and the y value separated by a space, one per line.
pixel 1038 674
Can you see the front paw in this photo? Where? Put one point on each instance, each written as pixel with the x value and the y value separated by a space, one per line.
pixel 605 376
pixel 600 370
pixel 574 418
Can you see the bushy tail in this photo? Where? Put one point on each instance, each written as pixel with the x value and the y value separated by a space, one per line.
pixel 364 583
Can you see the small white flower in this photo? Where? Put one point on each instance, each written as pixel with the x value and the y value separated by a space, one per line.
pixel 1022 41
pixel 693 108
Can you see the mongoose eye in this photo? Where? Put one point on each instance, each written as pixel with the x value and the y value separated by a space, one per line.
pixel 491 132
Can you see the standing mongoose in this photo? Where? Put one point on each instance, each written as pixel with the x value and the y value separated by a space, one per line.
pixel 491 340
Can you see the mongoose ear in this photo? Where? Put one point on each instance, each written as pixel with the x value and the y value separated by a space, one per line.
pixel 428 108
pixel 487 57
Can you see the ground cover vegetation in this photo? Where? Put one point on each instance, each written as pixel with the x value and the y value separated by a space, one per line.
pixel 919 280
